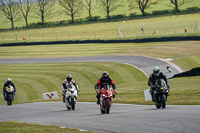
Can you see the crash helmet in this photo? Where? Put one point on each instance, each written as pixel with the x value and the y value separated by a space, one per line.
pixel 69 77
pixel 156 70
pixel 9 80
pixel 105 75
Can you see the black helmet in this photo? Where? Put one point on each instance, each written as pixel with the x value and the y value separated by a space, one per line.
pixel 69 77
pixel 105 75
pixel 156 70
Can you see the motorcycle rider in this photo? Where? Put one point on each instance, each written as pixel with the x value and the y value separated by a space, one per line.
pixel 153 77
pixel 66 82
pixel 104 80
pixel 8 83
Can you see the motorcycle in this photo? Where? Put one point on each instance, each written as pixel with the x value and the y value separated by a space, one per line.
pixel 106 97
pixel 71 97
pixel 160 93
pixel 9 94
pixel 168 69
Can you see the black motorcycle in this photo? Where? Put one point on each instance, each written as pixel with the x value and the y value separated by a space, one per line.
pixel 9 94
pixel 160 93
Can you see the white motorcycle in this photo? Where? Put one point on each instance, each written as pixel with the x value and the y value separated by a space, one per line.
pixel 71 97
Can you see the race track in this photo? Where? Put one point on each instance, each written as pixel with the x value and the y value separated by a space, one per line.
pixel 144 63
pixel 123 118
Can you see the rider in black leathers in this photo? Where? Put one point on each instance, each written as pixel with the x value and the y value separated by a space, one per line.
pixel 153 77
pixel 104 80
pixel 8 83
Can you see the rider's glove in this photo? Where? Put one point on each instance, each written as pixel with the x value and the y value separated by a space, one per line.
pixel 168 87
pixel 115 91
pixel 97 91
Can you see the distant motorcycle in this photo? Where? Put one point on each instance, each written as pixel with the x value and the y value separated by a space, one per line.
pixel 71 97
pixel 9 94
pixel 106 97
pixel 168 69
pixel 160 93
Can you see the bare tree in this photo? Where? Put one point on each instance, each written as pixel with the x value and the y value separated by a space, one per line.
pixel 177 4
pixel 109 6
pixel 44 9
pixel 90 5
pixel 25 7
pixel 10 10
pixel 141 4
pixel 72 7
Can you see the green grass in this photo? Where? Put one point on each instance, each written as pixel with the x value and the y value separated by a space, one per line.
pixel 175 50
pixel 17 127
pixel 163 26
pixel 34 79
pixel 185 91
pixel 188 62
pixel 58 14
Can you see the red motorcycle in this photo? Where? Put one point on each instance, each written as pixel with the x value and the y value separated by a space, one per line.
pixel 106 97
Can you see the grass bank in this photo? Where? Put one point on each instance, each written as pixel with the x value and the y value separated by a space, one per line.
pixel 34 79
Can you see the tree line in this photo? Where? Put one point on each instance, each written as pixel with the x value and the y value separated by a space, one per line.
pixel 43 8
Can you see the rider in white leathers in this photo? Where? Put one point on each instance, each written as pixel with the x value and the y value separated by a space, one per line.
pixel 66 82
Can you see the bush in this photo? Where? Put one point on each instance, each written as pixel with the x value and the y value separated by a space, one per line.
pixel 120 16
pixel 163 12
pixel 192 9
pixel 132 15
pixel 95 18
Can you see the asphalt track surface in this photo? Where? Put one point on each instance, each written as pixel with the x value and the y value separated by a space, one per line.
pixel 123 118
pixel 145 64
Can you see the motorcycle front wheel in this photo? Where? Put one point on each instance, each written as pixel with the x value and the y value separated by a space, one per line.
pixel 9 99
pixel 72 103
pixel 163 100
pixel 107 106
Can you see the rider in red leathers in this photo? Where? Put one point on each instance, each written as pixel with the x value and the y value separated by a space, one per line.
pixel 104 80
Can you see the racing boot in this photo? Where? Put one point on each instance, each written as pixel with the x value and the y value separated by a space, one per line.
pixel 98 99
pixel 4 96
pixel 64 99
pixel 153 98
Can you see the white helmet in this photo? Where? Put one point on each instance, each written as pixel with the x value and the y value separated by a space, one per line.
pixel 9 80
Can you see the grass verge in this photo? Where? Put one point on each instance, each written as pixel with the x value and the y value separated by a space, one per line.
pixel 17 127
